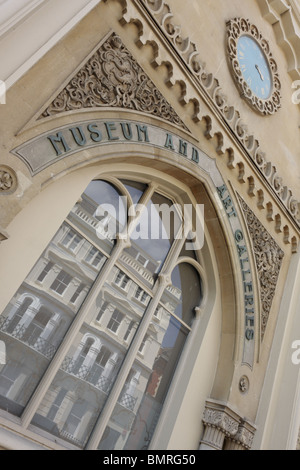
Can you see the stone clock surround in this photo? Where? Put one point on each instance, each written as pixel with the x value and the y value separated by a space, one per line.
pixel 236 29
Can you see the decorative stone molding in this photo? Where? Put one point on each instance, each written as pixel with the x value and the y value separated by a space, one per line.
pixel 235 29
pixel 8 180
pixel 268 258
pixel 112 78
pixel 209 89
pixel 225 429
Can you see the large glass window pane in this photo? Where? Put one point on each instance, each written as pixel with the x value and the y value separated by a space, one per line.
pixel 34 323
pixel 152 238
pixel 135 190
pixel 136 413
pixel 90 368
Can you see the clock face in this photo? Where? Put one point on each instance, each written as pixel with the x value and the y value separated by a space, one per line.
pixel 254 67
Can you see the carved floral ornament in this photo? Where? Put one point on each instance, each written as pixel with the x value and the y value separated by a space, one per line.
pixel 236 29
pixel 112 78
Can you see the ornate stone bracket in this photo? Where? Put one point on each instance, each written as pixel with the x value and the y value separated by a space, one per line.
pixel 268 258
pixel 225 429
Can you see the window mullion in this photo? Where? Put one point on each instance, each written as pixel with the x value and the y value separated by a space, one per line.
pixel 163 281
pixel 126 367
pixel 53 368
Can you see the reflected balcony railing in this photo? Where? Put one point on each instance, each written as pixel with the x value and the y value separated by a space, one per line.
pixel 128 401
pixel 69 437
pixel 87 374
pixel 22 334
pixel 93 377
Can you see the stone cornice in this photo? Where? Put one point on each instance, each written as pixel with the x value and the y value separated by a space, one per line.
pixel 224 124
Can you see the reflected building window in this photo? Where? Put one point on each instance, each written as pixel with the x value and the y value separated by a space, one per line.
pixel 61 282
pixel 122 280
pixel 71 240
pixel 115 321
pixel 45 271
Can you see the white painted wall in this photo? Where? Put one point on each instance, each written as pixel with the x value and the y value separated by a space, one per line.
pixel 30 28
pixel 278 417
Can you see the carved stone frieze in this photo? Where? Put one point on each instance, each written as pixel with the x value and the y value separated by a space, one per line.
pixel 268 258
pixel 210 89
pixel 8 180
pixel 112 78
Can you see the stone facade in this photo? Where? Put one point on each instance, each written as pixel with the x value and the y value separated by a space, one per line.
pixel 152 98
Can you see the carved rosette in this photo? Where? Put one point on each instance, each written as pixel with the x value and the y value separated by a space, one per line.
pixel 8 180
pixel 235 29
pixel 113 78
pixel 268 257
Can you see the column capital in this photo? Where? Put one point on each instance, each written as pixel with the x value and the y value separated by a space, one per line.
pixel 225 428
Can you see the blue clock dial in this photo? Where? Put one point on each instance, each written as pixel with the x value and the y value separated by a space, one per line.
pixel 254 67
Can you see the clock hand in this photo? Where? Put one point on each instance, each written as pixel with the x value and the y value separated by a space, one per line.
pixel 260 74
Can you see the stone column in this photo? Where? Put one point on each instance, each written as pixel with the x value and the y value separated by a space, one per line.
pixel 225 429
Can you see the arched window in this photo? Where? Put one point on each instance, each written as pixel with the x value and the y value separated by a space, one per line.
pixel 133 253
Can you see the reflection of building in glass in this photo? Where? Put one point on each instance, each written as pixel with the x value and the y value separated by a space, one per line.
pixel 38 317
